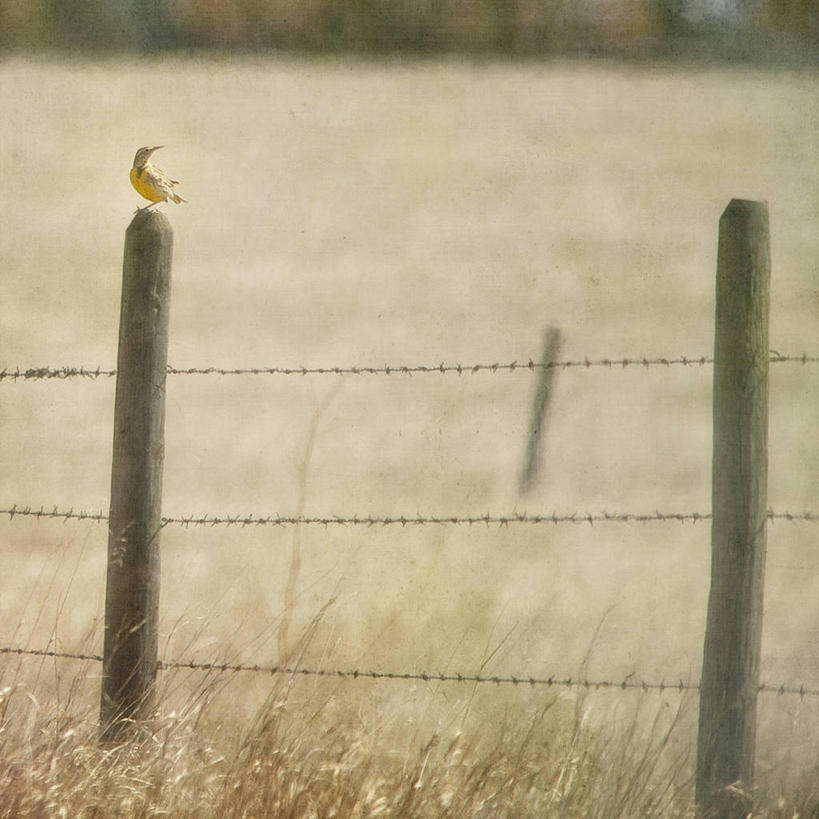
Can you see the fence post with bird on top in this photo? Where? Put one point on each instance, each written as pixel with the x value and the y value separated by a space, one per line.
pixel 132 587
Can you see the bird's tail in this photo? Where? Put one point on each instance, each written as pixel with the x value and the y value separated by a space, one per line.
pixel 178 199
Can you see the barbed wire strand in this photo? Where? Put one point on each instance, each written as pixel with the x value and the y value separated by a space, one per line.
pixel 630 682
pixel 404 520
pixel 63 373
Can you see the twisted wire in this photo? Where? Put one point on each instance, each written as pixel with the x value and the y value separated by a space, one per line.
pixel 403 520
pixel 629 682
pixel 63 373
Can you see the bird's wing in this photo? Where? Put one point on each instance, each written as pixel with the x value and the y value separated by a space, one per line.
pixel 160 180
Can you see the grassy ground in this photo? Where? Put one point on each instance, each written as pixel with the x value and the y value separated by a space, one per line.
pixel 402 213
pixel 225 745
pixel 308 753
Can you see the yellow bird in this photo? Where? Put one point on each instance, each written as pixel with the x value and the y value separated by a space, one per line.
pixel 150 182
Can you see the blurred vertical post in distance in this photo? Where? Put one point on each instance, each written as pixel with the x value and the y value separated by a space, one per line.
pixel 733 635
pixel 540 409
pixel 132 588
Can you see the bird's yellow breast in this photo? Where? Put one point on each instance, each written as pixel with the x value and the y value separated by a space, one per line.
pixel 143 185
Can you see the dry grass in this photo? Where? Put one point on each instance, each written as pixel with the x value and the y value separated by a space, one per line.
pixel 325 749
pixel 253 745
pixel 308 753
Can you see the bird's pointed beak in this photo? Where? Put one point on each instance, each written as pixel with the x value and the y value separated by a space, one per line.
pixel 157 148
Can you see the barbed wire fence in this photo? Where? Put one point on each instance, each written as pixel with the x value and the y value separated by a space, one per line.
pixel 368 520
pixel 91 373
pixel 628 683
pixel 522 518
pixel 732 641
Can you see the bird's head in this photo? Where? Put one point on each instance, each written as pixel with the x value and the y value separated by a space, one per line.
pixel 143 154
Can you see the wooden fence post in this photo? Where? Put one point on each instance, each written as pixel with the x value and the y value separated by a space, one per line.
pixel 540 409
pixel 132 588
pixel 733 634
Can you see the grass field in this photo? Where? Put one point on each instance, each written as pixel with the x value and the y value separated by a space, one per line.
pixel 370 213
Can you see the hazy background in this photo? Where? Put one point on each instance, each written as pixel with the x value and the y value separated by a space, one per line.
pixel 351 210
pixel 769 31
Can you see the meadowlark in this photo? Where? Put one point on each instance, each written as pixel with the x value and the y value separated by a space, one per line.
pixel 150 182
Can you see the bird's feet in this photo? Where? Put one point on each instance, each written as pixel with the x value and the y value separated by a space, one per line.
pixel 148 207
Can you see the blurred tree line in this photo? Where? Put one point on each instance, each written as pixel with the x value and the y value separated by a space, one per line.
pixel 636 28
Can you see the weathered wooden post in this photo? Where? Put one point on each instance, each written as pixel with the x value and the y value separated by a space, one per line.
pixel 540 409
pixel 132 589
pixel 733 634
